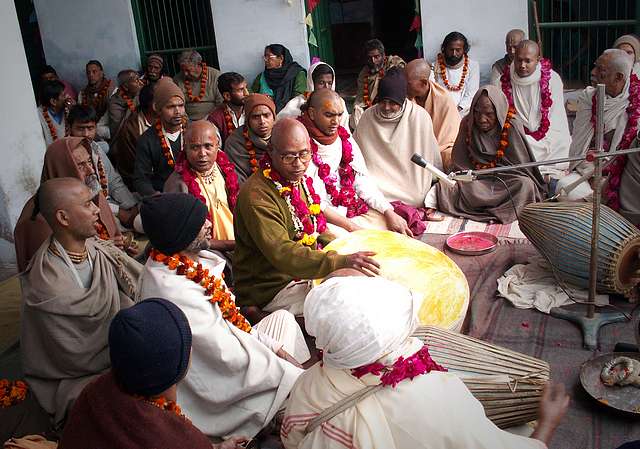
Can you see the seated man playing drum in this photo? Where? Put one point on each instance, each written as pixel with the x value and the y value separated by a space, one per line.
pixel 394 394
pixel 277 222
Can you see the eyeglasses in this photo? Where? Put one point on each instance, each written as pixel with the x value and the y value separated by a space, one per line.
pixel 267 58
pixel 288 159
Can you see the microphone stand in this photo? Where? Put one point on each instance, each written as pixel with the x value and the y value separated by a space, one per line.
pixel 592 321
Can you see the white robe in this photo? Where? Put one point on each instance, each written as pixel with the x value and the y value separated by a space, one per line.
pixel 434 410
pixel 293 107
pixel 526 98
pixel 462 98
pixel 235 384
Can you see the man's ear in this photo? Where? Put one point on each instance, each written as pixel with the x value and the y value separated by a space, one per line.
pixel 312 112
pixel 62 218
pixel 226 96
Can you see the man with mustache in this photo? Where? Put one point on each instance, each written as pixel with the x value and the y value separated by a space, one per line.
pixel 378 64
pixel 456 72
pixel 158 148
pixel 71 290
pixel 388 135
pixel 230 114
pixel 622 101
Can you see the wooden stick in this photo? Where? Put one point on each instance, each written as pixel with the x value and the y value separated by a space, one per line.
pixel 537 21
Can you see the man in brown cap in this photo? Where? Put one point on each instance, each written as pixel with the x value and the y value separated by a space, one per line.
pixel 248 143
pixel 159 147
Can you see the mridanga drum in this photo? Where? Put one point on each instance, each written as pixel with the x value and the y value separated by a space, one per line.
pixel 507 383
pixel 562 233
pixel 417 266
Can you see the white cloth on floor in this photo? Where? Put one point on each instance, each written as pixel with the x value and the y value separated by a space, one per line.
pixel 533 285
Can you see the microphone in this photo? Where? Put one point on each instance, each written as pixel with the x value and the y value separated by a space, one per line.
pixel 419 160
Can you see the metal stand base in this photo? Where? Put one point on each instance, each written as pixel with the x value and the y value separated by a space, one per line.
pixel 590 326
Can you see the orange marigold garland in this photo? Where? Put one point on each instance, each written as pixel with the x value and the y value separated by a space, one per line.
pixel 251 149
pixel 102 177
pixel 203 84
pixel 130 104
pixel 47 118
pixel 12 392
pixel 103 234
pixel 504 142
pixel 214 287
pixel 228 120
pixel 166 149
pixel 164 404
pixel 365 89
pixel 97 99
pixel 442 69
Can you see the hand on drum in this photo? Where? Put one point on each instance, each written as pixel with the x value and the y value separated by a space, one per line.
pixel 363 261
pixel 553 406
pixel 396 223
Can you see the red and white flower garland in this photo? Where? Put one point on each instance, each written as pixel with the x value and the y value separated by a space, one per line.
pixel 545 97
pixel 346 196
pixel 308 219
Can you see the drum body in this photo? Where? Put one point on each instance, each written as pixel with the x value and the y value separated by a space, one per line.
pixel 507 383
pixel 562 233
pixel 417 266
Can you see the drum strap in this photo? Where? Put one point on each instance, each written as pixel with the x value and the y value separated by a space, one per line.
pixel 341 406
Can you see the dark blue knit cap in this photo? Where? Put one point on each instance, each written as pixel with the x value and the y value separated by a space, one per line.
pixel 150 346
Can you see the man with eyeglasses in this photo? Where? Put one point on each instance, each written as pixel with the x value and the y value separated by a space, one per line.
pixel 278 223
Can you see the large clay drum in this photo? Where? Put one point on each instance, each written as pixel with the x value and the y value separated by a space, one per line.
pixel 419 267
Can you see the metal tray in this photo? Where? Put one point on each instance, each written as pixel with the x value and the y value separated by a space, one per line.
pixel 626 399
pixel 461 243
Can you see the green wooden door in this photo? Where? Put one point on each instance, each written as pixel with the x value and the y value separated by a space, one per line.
pixel 322 31
pixel 168 27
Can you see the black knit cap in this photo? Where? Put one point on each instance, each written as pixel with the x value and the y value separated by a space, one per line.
pixel 393 86
pixel 172 220
pixel 150 346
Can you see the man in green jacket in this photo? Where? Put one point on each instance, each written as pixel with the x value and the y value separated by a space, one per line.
pixel 278 222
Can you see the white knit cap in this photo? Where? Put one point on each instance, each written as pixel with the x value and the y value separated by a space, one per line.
pixel 357 320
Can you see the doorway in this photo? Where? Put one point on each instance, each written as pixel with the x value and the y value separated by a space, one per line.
pixel 351 23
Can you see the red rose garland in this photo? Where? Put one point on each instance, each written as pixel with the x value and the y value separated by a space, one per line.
pixel 308 219
pixel 228 172
pixel 203 84
pixel 614 170
pixel 545 97
pixel 442 69
pixel 346 196
pixel 413 366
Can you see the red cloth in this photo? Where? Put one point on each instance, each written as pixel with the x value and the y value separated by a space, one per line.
pixel 217 118
pixel 104 417
pixel 414 216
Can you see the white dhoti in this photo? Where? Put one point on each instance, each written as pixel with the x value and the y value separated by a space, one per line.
pixel 283 328
pixel 291 298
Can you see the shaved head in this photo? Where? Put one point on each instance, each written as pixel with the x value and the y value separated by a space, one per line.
pixel 199 127
pixel 515 34
pixel 320 97
pixel 325 109
pixel 287 130
pixel 289 149
pixel 201 146
pixel 418 72
pixel 526 58
pixel 56 194
pixel 511 42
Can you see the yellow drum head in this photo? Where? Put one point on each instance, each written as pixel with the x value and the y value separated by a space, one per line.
pixel 417 266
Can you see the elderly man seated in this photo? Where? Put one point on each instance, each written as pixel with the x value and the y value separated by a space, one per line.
pixel 352 197
pixel 389 134
pixel 388 390
pixel 240 374
pixel 278 221
pixel 71 289
pixel 204 172
pixel 490 136
pixel 199 82
pixel 150 349
pixel 621 115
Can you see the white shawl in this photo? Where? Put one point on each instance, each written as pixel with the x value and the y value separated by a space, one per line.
pixel 235 384
pixel 526 98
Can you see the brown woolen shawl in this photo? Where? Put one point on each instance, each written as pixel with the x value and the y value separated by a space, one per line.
pixel 487 199
pixel 30 232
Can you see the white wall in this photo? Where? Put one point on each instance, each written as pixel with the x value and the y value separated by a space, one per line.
pixel 75 31
pixel 485 25
pixel 22 149
pixel 244 27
